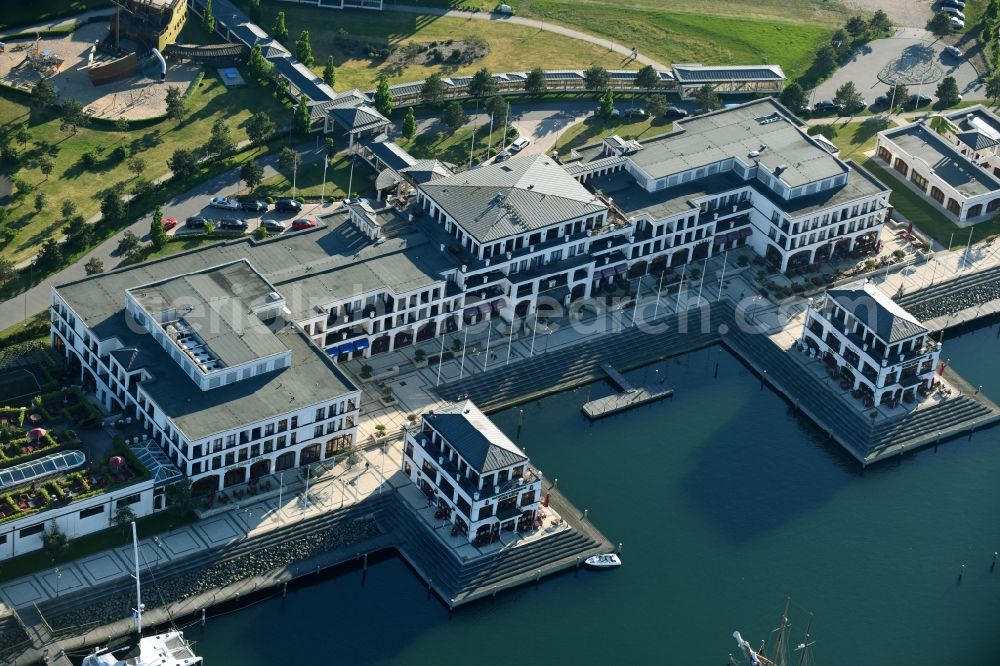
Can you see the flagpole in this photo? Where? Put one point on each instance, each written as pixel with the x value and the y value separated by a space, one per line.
pixel 968 248
pixel 701 283
pixel 461 368
pixel 489 332
pixel 658 288
pixel 510 340
pixel 722 279
pixel 489 141
pixel 440 361
pixel 506 115
pixel 534 329
pixel 680 286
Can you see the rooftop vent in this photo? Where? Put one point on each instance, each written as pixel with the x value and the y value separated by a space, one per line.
pixel 273 296
pixel 753 153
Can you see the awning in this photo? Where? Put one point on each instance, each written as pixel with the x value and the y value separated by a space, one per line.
pixel 745 231
pixel 483 308
pixel 345 348
pixel 498 305
pixel 470 312
pixel 621 268
pixel 720 239
pixel 603 273
pixel 361 344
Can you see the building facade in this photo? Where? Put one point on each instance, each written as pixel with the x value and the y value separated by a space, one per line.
pixel 951 159
pixel 209 366
pixel 478 479
pixel 878 349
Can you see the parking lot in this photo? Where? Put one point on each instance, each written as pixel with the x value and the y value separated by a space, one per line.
pixel 252 218
pixel 911 50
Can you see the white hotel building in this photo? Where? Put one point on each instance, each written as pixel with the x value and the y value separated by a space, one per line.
pixel 480 480
pixel 204 357
pixel 873 343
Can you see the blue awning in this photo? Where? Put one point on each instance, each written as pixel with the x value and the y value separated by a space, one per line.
pixel 361 344
pixel 345 348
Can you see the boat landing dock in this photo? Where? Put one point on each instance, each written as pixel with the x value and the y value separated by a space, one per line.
pixel 629 396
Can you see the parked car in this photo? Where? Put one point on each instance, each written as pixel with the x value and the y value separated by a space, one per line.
pixel 828 106
pixel 920 99
pixel 953 3
pixel 675 112
pixel 954 52
pixel 273 226
pixel 636 112
pixel 502 156
pixel 232 224
pixel 957 23
pixel 223 202
pixel 881 100
pixel 303 223
pixel 520 144
pixel 290 205
pixel 954 11
pixel 169 223
pixel 197 222
pixel 255 205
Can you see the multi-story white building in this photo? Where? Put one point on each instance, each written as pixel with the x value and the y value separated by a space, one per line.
pixel 479 479
pixel 882 350
pixel 201 351
pixel 748 175
pixel 951 159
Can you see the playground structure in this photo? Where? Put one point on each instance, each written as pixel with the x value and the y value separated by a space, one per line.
pixel 45 62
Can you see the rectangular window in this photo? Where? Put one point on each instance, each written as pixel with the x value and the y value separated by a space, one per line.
pixel 281 442
pixel 92 511
pixel 282 425
pixel 318 431
pixel 295 422
pixel 268 430
pixel 131 499
pixel 33 530
pixel 319 414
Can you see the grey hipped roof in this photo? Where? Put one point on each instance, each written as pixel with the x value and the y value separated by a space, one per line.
pixel 423 171
pixel 976 140
pixel 471 433
pixel 358 118
pixel 877 311
pixel 522 194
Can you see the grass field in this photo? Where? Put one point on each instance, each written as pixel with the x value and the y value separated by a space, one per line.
pixel 21 12
pixel 455 147
pixel 309 181
pixel 594 129
pixel 69 181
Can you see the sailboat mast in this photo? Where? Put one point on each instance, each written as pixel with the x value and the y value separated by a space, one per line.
pixel 138 587
pixel 805 643
pixel 782 628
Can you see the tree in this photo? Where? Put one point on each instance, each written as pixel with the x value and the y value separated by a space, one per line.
pixel 536 83
pixel 826 60
pixel 93 266
pixel 128 244
pixel 157 234
pixel 45 165
pixel 706 98
pixel 78 233
pixel 857 26
pixel 794 97
pixel 280 31
pixel 898 95
pixel 330 146
pixel 383 98
pixel 123 518
pixel 879 22
pixel 410 124
pixel 482 84
pixel 433 90
pixel 302 120
pixel 49 255
pixel 947 91
pixel 260 128
pixel 40 200
pixel 647 78
pixel 841 41
pixel 22 135
pixel 112 209
pixel 252 174
pixel 849 98
pixel 454 116
pixel 183 164
pixel 54 541
pixel 940 24
pixel 136 165
pixel 73 116
pixel 329 72
pixel 596 78
pixel 121 125
pixel 257 66
pixel 657 105
pixel 68 209
pixel 607 111
pixel 209 227
pixel 209 19
pixel 993 87
pixel 254 11
pixel 7 270
pixel 260 233
pixel 179 501
pixel 176 107
pixel 43 94
pixel 497 107
pixel 287 159
pixel 303 49
pixel 220 142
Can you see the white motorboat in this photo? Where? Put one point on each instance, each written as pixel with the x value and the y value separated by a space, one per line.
pixel 166 649
pixel 606 561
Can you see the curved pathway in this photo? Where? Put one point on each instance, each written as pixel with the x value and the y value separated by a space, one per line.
pixel 531 23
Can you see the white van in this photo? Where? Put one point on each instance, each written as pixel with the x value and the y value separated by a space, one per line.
pixel 520 144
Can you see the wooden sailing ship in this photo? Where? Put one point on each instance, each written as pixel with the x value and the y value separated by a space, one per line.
pixel 779 653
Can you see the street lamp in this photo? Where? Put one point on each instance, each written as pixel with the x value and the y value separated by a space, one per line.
pixel 58 576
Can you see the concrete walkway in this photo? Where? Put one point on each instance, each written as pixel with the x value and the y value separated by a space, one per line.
pixel 531 23
pixel 57 24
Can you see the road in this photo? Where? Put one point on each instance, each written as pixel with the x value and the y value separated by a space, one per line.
pixel 192 202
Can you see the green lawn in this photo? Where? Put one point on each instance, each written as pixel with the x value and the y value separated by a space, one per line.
pixel 855 139
pixel 69 181
pixel 594 129
pixel 309 181
pixel 21 12
pixel 35 327
pixel 455 147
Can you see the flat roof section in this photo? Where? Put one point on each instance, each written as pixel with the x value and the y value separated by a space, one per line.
pixel 762 126
pixel 944 161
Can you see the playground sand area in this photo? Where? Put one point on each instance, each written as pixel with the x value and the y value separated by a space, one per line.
pixel 139 96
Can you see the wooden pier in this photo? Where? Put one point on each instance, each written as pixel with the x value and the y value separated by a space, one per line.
pixel 629 396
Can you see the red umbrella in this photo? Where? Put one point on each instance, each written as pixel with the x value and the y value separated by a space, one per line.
pixel 545 502
pixel 909 228
pixel 116 462
pixel 37 433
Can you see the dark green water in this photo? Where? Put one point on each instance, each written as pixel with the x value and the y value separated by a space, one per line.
pixel 726 501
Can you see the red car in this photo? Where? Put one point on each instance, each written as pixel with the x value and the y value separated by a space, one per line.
pixel 303 223
pixel 169 223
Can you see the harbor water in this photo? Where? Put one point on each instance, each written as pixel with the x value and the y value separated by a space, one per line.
pixel 726 501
